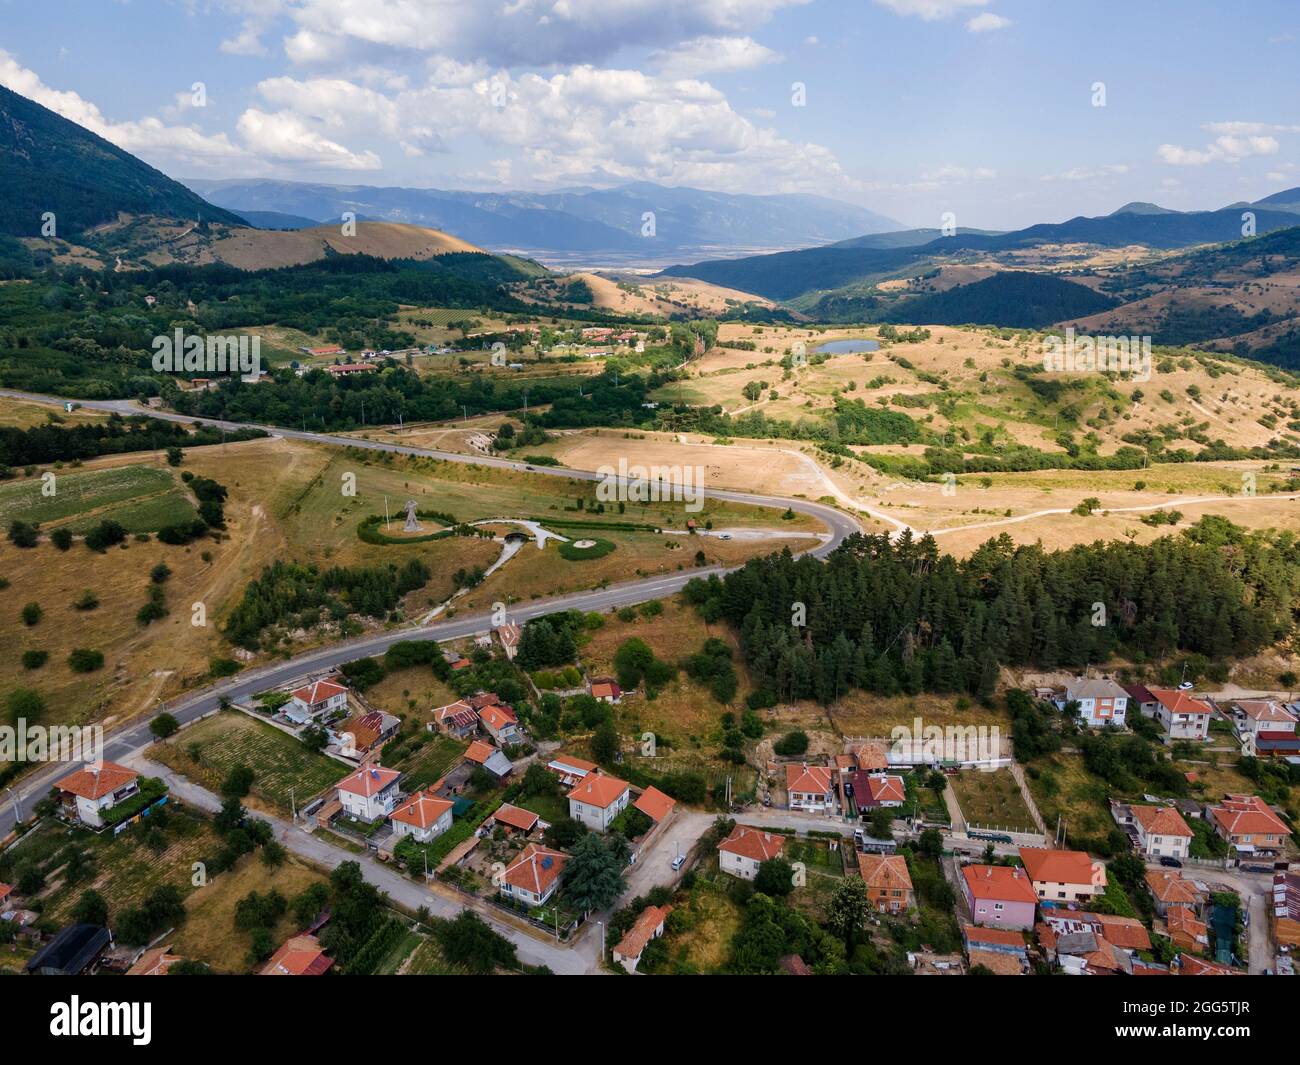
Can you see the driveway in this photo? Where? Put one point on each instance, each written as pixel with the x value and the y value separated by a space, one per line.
pixel 654 866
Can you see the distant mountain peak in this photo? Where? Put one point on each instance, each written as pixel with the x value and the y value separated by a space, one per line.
pixel 1143 207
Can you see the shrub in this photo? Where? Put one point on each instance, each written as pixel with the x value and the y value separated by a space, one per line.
pixel 35 659
pixel 32 613
pixel 82 660
pixel 791 743
pixel 61 538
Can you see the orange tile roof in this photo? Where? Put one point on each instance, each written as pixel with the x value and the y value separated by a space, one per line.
pixel 97 779
pixel 753 843
pixel 1248 815
pixel 654 804
pixel 300 956
pixel 999 883
pixel 1190 966
pixel 479 752
pixel 318 692
pixel 155 962
pixel 885 872
pixel 1006 937
pixel 5 891
pixel 598 790
pixel 1181 919
pixel 642 931
pixel 1171 889
pixel 421 810
pixel 497 717
pixel 872 756
pixel 524 820
pixel 1125 932
pixel 808 779
pixel 606 691
pixel 368 780
pixel 1264 710
pixel 1179 702
pixel 1161 821
pixel 1060 867
pixel 886 789
pixel 483 699
pixel 532 871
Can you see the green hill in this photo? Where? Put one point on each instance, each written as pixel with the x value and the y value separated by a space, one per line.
pixel 1014 299
pixel 50 164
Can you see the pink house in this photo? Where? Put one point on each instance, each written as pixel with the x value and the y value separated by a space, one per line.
pixel 1000 896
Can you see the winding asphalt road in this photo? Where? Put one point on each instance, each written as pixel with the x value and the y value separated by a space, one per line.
pixel 128 741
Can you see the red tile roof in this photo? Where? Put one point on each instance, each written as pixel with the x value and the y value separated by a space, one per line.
pixel 1190 966
pixel 1181 919
pixel 886 789
pixel 524 820
pixel 300 956
pixel 368 780
pixel 1264 710
pixel 497 717
pixel 642 931
pixel 1127 932
pixel 1248 815
pixel 318 692
pixel 1061 867
pixel 872 756
pixel 1171 889
pixel 1005 937
pixel 606 691
pixel 753 843
pixel 483 699
pixel 479 752
pixel 535 869
pixel 155 962
pixel 1160 821
pixel 421 810
pixel 999 883
pixel 1179 702
pixel 654 804
pixel 5 891
pixel 808 779
pixel 884 872
pixel 598 790
pixel 97 779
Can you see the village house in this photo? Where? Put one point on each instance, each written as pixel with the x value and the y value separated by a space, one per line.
pixel 606 691
pixel 300 956
pixel 649 926
pixel 888 883
pixel 809 788
pixel 1000 896
pixel 1063 877
pixel 512 819
pixel 1286 909
pixel 570 770
pixel 655 804
pixel 1100 702
pixel 1161 831
pixel 6 897
pixel 1000 950
pixel 534 875
pixel 1188 965
pixel 456 719
pixel 1171 891
pixel 1248 824
pixel 423 816
pixel 1179 715
pixel 370 793
pixel 348 369
pixel 876 790
pixel 597 799
pixel 1186 932
pixel 500 723
pixel 365 733
pixel 494 761
pixel 741 853
pixel 321 698
pixel 509 635
pixel 94 788
pixel 870 757
pixel 1253 716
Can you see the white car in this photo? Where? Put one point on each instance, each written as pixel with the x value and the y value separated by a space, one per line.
pixel 724 536
pixel 678 862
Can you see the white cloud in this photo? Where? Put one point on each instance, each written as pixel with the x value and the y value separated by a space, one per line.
pixel 987 22
pixel 284 137
pixel 1085 173
pixel 1224 149
pixel 519 32
pixel 148 137
pixel 711 55
pixel 950 173
pixel 930 10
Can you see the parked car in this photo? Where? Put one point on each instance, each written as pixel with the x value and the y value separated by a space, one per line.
pixel 724 536
pixel 1171 863
pixel 678 862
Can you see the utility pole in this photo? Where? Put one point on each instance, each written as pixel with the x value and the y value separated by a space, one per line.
pixel 386 524
pixel 293 804
pixel 18 820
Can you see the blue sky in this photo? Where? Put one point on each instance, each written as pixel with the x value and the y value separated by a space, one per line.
pixel 912 108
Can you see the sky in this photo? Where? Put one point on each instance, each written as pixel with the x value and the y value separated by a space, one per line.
pixel 1002 113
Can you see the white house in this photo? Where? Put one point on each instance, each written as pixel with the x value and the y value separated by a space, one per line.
pixel 500 723
pixel 809 788
pixel 321 698
pixel 1181 716
pixel 1162 832
pixel 741 853
pixel 423 816
pixel 649 926
pixel 95 787
pixel 1253 716
pixel 597 799
pixel 1101 702
pixel 533 876
pixel 370 793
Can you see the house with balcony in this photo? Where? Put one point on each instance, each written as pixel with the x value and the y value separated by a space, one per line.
pixel 1248 824
pixel 809 788
pixel 1063 877
pixel 96 788
pixel 316 701
pixel 1180 716
pixel 423 816
pixel 741 853
pixel 1099 702
pixel 1161 831
pixel 597 799
pixel 370 793
pixel 531 879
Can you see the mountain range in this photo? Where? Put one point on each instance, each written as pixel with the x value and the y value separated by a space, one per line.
pixel 577 220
